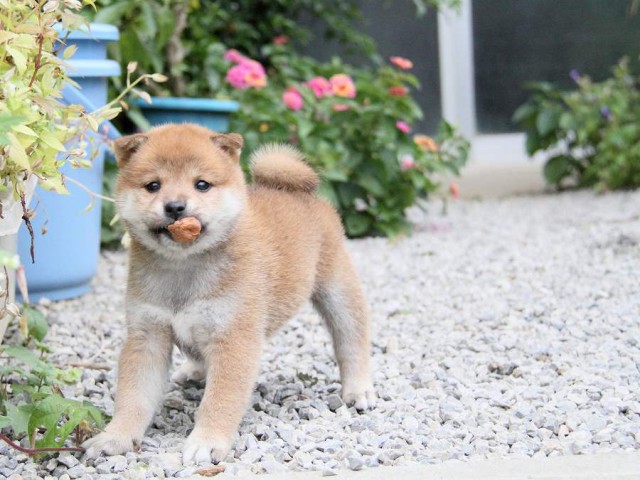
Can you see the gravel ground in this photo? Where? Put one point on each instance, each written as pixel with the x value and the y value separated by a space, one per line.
pixel 506 328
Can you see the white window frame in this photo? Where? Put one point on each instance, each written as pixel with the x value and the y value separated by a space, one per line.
pixel 455 38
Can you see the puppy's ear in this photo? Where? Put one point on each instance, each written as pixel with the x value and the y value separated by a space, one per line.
pixel 127 146
pixel 231 143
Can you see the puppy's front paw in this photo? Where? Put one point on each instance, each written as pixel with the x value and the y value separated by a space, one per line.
pixel 201 448
pixel 107 443
pixel 363 397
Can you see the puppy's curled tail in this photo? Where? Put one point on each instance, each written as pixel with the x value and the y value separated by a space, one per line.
pixel 282 167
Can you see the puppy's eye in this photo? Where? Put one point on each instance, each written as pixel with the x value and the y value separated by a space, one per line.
pixel 202 185
pixel 152 186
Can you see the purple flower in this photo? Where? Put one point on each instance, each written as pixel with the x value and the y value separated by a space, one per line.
pixel 606 113
pixel 575 75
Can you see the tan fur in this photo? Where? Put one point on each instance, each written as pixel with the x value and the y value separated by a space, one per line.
pixel 282 167
pixel 263 252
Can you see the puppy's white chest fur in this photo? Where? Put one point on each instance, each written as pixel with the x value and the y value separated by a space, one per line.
pixel 200 320
pixel 186 301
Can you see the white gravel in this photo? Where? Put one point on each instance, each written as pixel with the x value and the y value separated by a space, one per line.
pixel 506 328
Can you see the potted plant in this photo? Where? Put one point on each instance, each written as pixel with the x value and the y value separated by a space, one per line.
pixel 34 124
pixel 43 134
pixel 155 29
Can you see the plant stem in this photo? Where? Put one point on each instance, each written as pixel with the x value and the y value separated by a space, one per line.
pixel 27 221
pixel 175 49
pixel 37 65
pixel 90 366
pixel 123 94
pixel 88 190
pixel 3 311
pixel 36 451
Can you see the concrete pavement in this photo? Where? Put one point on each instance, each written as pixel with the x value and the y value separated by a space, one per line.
pixel 613 466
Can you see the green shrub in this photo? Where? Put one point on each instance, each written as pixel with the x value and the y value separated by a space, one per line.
pixel 591 134
pixel 357 133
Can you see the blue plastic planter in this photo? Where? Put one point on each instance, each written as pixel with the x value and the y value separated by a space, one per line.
pixel 67 255
pixel 210 113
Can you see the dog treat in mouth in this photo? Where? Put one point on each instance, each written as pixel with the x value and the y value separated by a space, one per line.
pixel 185 230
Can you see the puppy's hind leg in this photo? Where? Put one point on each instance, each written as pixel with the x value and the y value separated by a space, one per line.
pixel 191 370
pixel 339 300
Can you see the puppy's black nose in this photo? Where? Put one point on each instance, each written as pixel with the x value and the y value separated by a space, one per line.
pixel 175 209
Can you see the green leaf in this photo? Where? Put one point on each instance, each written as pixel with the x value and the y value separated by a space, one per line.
pixel 524 113
pixel 51 140
pixel 70 375
pixel 36 323
pixel 54 408
pixel 6 36
pixel 327 191
pixel 372 184
pixel 348 192
pixel 147 21
pixel 69 51
pixel 17 152
pixel 76 416
pixel 19 58
pixel 547 122
pixel 7 122
pixel 357 224
pixel 24 130
pixel 533 143
pixel 114 12
pixel 304 128
pixel 18 418
pixel 335 174
pixel 395 227
pixel 557 168
pixel 166 26
pixel 23 354
pixel 567 121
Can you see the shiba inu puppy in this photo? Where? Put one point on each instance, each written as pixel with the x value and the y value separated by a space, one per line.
pixel 262 251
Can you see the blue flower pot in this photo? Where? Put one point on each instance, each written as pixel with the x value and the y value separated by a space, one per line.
pixel 66 257
pixel 210 113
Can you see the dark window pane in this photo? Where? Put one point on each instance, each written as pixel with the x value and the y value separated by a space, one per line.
pixel 398 32
pixel 517 41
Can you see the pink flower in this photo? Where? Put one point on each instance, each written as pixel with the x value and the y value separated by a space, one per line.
pixel 255 76
pixel 407 162
pixel 281 40
pixel 235 76
pixel 320 86
pixel 403 126
pixel 402 63
pixel 398 91
pixel 343 86
pixel 253 66
pixel 292 99
pixel 340 107
pixel 248 73
pixel 234 56
pixel 454 190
